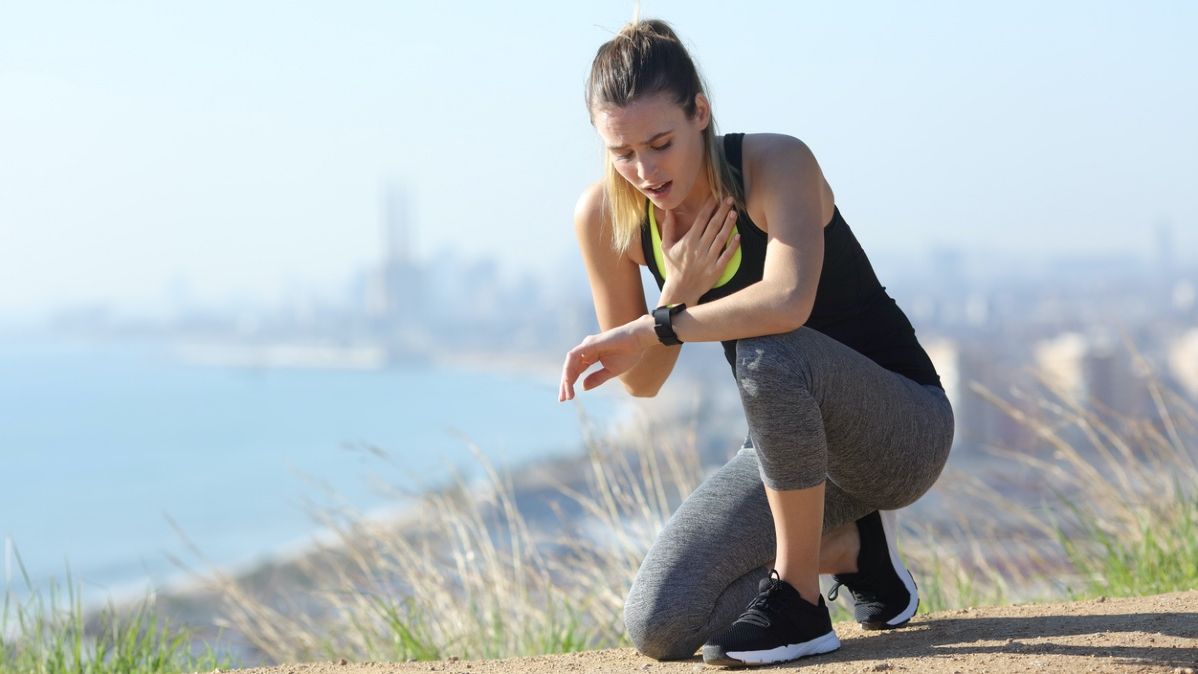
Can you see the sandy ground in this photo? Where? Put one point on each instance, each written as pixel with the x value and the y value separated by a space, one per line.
pixel 1146 634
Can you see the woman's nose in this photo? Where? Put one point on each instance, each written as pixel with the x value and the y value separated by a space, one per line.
pixel 644 170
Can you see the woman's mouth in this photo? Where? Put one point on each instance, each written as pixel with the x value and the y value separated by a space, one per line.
pixel 660 190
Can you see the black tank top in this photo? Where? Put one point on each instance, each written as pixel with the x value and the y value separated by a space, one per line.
pixel 851 306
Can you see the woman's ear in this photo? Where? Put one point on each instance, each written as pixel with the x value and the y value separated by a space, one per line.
pixel 702 111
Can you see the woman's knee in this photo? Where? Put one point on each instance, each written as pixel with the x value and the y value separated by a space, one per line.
pixel 658 630
pixel 771 363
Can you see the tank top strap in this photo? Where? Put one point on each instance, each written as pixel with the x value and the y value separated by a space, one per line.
pixel 733 143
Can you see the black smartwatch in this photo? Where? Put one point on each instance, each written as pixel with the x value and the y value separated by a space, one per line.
pixel 663 318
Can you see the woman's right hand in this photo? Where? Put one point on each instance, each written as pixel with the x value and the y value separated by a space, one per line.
pixel 695 260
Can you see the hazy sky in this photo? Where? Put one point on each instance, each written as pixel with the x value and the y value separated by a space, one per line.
pixel 241 148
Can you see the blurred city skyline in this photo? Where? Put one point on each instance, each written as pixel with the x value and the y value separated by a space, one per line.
pixel 158 154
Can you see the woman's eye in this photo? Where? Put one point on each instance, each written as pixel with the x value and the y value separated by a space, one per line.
pixel 627 156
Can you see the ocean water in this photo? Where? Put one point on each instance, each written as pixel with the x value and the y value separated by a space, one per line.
pixel 102 446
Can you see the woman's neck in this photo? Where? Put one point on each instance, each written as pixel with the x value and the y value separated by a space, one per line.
pixel 686 212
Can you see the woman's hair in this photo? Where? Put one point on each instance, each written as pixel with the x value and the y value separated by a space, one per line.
pixel 647 58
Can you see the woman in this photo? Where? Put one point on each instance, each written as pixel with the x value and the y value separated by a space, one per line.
pixel 847 418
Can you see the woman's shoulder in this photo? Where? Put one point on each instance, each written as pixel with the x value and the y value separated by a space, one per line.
pixel 590 205
pixel 775 151
pixel 775 165
pixel 593 223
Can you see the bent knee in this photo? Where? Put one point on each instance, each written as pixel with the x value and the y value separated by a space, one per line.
pixel 657 632
pixel 770 362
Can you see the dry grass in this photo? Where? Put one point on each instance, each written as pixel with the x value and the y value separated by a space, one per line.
pixel 470 574
pixel 1116 515
pixel 1125 487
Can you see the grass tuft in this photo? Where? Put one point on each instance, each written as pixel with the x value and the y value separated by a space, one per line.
pixel 42 634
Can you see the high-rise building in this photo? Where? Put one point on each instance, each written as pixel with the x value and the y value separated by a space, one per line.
pixel 1059 361
pixel 401 296
pixel 1092 371
pixel 1111 382
pixel 395 301
pixel 971 374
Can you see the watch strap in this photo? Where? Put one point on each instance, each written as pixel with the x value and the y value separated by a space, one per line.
pixel 663 323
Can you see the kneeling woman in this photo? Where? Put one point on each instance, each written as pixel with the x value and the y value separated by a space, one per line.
pixel 847 418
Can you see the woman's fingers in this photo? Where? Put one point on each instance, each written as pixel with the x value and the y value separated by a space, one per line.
pixel 714 225
pixel 729 251
pixel 699 227
pixel 563 388
pixel 721 240
pixel 616 350
pixel 576 363
pixel 596 378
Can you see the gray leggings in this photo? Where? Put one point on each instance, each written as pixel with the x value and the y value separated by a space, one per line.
pixel 817 410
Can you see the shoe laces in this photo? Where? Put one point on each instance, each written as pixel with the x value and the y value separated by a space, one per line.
pixel 758 611
pixel 834 592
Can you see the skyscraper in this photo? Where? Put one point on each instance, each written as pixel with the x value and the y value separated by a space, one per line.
pixel 399 305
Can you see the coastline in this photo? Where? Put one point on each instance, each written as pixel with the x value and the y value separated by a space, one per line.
pixel 160 562
pixel 193 596
pixel 356 356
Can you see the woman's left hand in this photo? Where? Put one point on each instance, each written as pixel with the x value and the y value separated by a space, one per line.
pixel 617 350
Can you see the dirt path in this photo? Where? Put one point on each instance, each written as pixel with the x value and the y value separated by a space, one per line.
pixel 1146 634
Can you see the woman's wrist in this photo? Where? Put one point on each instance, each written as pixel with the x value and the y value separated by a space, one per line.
pixel 644 331
pixel 671 295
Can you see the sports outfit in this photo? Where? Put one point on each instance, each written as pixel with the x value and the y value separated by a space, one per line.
pixel 850 398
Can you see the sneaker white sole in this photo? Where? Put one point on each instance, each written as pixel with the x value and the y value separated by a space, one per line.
pixel 890 529
pixel 824 644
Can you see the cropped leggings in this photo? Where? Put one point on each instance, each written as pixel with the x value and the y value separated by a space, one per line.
pixel 817 411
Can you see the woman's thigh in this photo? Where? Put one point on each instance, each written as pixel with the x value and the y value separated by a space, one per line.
pixel 883 437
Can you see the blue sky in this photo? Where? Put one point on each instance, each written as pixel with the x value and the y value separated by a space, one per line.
pixel 241 149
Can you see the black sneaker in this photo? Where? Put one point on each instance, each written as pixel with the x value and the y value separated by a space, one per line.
pixel 884 593
pixel 778 626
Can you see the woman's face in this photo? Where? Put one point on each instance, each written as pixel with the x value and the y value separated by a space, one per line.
pixel 655 146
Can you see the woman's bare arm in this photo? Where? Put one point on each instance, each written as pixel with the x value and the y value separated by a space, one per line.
pixel 617 291
pixel 790 197
pixel 790 192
